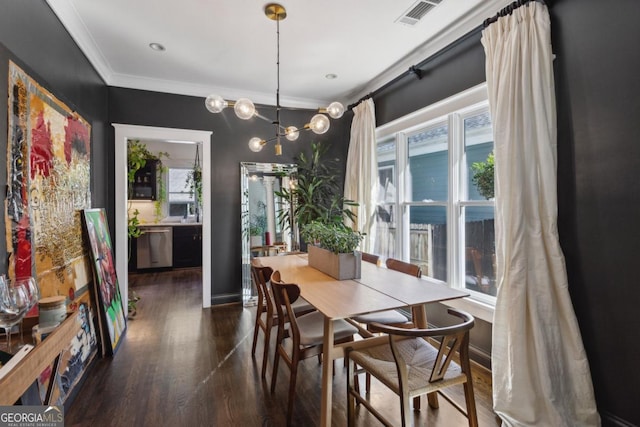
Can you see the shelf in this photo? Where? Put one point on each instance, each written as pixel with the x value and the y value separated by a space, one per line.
pixel 22 376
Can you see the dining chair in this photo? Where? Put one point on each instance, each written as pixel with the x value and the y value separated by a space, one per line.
pixel 306 333
pixel 373 259
pixel 404 267
pixel 411 366
pixel 266 315
pixel 388 317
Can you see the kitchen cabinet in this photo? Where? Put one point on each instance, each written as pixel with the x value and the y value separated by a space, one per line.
pixel 187 246
pixel 144 186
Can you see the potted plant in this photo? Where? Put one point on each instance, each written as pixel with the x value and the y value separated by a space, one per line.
pixel 332 249
pixel 317 193
pixel 483 177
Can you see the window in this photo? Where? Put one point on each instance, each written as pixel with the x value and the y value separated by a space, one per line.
pixel 431 211
pixel 181 200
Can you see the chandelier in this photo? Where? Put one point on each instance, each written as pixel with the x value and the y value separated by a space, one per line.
pixel 245 109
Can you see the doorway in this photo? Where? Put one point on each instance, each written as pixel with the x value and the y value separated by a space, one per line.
pixel 123 133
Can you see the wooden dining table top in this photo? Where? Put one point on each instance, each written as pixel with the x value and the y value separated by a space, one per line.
pixel 383 289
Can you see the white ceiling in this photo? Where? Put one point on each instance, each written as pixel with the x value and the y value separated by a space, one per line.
pixel 229 46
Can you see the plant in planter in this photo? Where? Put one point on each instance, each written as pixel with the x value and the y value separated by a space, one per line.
pixel 483 177
pixel 332 249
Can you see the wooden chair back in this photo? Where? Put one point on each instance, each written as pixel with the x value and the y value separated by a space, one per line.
pixel 404 267
pixel 373 259
pixel 439 353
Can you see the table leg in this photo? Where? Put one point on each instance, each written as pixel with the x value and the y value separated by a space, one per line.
pixel 327 373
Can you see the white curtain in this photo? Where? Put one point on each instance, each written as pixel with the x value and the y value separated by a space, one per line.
pixel 361 177
pixel 541 375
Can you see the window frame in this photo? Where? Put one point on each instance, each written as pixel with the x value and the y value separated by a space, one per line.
pixel 452 111
pixel 190 203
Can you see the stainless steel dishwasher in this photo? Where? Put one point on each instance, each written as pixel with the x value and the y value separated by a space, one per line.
pixel 155 247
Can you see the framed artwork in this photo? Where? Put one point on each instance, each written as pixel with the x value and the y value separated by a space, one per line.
pixel 48 185
pixel 111 311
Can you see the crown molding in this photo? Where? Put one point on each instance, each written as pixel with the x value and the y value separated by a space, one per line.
pixel 441 40
pixel 200 90
pixel 70 19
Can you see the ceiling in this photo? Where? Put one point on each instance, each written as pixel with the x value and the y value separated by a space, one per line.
pixel 229 46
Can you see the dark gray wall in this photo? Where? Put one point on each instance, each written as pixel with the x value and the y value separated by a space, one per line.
pixel 32 36
pixel 228 149
pixel 598 101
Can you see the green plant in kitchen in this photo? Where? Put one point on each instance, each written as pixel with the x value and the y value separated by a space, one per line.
pixel 334 237
pixel 483 177
pixel 194 182
pixel 137 156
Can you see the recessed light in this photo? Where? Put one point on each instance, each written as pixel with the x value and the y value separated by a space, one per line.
pixel 156 46
pixel 331 76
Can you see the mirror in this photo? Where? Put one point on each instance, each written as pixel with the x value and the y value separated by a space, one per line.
pixel 262 232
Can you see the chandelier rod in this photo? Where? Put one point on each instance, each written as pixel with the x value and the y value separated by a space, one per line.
pixel 277 122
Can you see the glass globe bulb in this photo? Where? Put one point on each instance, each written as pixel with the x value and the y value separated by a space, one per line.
pixel 256 144
pixel 335 110
pixel 319 124
pixel 215 103
pixel 244 108
pixel 292 133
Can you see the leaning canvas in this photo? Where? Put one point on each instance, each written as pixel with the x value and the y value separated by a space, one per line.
pixel 112 318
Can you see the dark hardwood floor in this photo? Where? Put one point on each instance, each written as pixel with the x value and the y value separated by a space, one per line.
pixel 181 365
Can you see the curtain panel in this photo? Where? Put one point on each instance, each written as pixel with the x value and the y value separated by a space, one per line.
pixel 541 375
pixel 361 177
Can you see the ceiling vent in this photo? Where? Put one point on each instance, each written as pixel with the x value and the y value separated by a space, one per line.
pixel 417 11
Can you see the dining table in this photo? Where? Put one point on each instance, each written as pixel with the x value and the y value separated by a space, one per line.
pixel 377 289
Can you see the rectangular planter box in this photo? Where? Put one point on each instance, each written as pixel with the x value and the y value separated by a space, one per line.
pixel 338 266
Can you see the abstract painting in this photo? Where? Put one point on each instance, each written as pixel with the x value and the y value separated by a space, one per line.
pixel 111 316
pixel 48 185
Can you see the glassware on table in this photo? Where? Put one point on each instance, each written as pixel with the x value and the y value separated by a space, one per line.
pixel 34 296
pixel 14 304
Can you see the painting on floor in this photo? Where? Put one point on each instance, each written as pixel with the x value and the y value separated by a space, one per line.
pixel 48 186
pixel 111 316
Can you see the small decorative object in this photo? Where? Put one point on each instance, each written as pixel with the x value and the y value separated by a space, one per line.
pixel 332 249
pixel 52 311
pixel 483 177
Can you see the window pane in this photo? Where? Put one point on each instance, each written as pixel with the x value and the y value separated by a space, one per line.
pixel 178 189
pixel 429 164
pixel 478 140
pixel 386 210
pixel 428 240
pixel 480 271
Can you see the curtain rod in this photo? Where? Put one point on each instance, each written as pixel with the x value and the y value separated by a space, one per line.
pixel 416 70
pixel 508 11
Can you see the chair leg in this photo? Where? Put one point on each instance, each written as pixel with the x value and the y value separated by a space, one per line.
pixel 471 403
pixel 292 388
pixel 255 335
pixel 432 398
pixel 352 386
pixel 405 410
pixel 276 360
pixel 267 342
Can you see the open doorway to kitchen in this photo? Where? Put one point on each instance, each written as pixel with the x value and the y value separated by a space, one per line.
pixel 123 133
